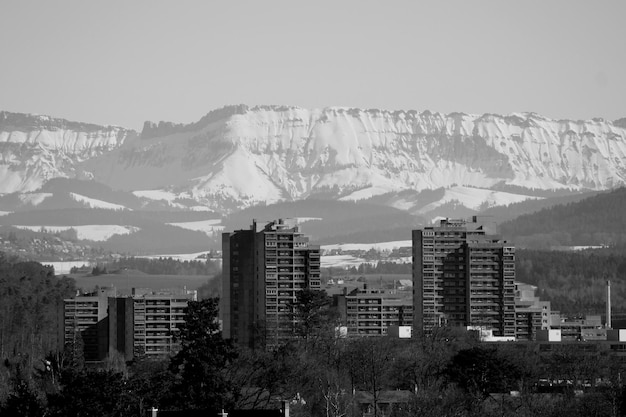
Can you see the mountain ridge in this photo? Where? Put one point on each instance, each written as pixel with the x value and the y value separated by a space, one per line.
pixel 238 156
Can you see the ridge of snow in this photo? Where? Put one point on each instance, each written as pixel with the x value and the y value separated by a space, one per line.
pixel 241 156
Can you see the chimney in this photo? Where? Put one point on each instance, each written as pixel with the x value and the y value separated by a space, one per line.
pixel 285 408
pixel 608 305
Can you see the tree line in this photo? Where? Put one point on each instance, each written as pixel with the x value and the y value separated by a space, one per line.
pixel 156 266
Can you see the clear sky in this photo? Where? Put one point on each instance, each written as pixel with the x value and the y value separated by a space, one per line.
pixel 124 62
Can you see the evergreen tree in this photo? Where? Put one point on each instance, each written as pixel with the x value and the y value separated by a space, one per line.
pixel 199 366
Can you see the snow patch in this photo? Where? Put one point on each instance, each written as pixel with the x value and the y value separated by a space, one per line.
pixel 341 261
pixel 34 199
pixel 209 227
pixel 476 198
pixel 95 232
pixel 94 203
pixel 198 256
pixel 64 267
pixel 381 246
pixel 156 195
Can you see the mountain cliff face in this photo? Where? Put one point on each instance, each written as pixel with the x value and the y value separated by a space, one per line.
pixel 238 156
pixel 35 148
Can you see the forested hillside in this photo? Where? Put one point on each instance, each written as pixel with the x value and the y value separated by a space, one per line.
pixel 598 220
pixel 575 282
pixel 512 211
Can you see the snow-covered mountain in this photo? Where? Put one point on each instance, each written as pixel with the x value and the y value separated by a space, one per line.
pixel 34 149
pixel 239 156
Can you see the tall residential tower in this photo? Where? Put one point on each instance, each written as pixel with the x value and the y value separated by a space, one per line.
pixel 463 275
pixel 263 269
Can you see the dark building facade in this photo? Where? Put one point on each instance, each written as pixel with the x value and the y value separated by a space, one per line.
pixel 263 269
pixel 463 275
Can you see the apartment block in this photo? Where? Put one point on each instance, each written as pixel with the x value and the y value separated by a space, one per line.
pixel 143 324
pixel 463 275
pixel 157 318
pixel 88 315
pixel 373 311
pixel 264 268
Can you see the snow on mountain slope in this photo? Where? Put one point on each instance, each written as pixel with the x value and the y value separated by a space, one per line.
pixel 266 154
pixel 36 148
pixel 208 227
pixel 475 198
pixel 34 199
pixel 95 203
pixel 239 156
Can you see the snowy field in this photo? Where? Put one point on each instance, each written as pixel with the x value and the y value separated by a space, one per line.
pixel 95 232
pixel 156 195
pixel 61 268
pixel 206 226
pixel 381 246
pixel 475 198
pixel 341 261
pixel 94 203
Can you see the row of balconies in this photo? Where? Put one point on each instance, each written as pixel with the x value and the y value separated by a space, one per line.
pixel 154 334
pixel 82 304
pixel 369 309
pixel 163 318
pixel 157 302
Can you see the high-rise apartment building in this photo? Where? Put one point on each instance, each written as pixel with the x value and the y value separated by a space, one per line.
pixel 463 275
pixel 264 267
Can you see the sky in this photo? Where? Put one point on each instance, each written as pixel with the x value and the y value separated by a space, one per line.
pixel 125 62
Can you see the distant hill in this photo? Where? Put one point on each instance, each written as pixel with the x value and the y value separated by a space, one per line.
pixel 597 220
pixel 502 214
pixel 153 232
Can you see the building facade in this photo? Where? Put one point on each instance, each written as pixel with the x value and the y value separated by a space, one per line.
pixel 531 313
pixel 157 318
pixel 86 316
pixel 371 311
pixel 143 324
pixel 463 275
pixel 263 269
